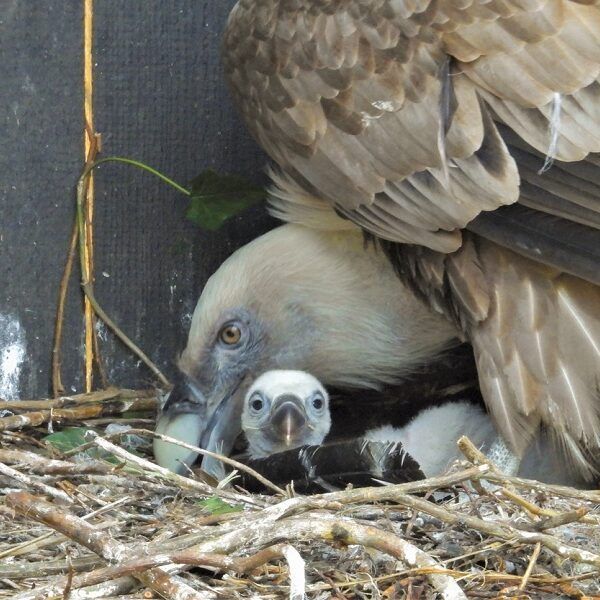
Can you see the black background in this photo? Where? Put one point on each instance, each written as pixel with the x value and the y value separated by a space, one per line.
pixel 159 96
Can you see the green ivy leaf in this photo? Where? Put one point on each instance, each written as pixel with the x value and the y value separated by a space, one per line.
pixel 216 506
pixel 214 198
pixel 67 439
pixel 72 437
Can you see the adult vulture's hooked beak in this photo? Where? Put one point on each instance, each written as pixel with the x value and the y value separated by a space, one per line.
pixel 191 417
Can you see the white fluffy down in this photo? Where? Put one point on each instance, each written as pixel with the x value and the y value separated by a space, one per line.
pixel 430 438
pixel 286 381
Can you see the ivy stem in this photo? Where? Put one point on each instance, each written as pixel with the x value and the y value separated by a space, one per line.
pixel 86 279
pixel 139 165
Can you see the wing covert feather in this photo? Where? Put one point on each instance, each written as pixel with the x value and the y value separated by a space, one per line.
pixel 526 322
pixel 359 100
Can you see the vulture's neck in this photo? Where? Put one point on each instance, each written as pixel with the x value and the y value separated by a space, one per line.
pixel 370 327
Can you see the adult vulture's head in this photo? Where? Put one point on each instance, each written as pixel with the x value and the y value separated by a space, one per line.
pixel 295 298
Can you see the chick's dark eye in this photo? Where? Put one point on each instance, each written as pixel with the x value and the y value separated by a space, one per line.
pixel 256 404
pixel 317 403
pixel 230 334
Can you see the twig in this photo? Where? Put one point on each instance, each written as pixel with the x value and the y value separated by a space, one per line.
pixel 332 501
pixel 534 556
pixel 87 284
pixel 495 476
pixel 152 468
pixel 332 529
pixel 122 588
pixel 57 386
pixel 51 538
pixel 97 541
pixel 473 454
pixel 34 484
pixel 84 236
pixel 560 519
pixel 225 459
pixel 91 141
pixel 89 293
pixel 47 466
pixel 339 530
pixel 108 403
pixel 389 493
pixel 32 419
pixel 77 399
pixel 69 582
pixel 547 488
pixel 104 382
pixel 486 576
pixel 128 421
pixel 47 568
pixel 220 562
pixel 530 507
pixel 502 531
pixel 553 518
pixel 266 531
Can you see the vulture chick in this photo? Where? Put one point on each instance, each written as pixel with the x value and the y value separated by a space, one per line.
pixel 461 139
pixel 285 417
pixel 284 410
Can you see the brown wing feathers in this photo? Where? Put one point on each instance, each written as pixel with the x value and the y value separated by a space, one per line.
pixel 410 117
pixel 535 332
pixel 361 112
pixel 538 353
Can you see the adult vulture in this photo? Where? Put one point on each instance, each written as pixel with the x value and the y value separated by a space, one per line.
pixel 460 136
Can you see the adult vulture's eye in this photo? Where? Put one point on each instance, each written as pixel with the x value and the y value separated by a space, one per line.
pixel 230 335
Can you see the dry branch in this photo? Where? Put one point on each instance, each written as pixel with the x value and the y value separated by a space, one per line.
pixel 561 519
pixel 337 530
pixel 503 531
pixel 75 408
pixel 228 461
pixel 153 469
pixel 33 483
pixel 159 522
pixel 32 419
pixel 44 466
pixel 77 399
pixel 495 476
pixel 97 541
pixel 219 562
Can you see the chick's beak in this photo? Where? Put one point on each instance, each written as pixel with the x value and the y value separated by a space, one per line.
pixel 289 417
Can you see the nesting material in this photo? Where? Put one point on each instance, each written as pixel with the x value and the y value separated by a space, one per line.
pixel 103 521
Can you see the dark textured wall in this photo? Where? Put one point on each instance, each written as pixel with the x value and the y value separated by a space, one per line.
pixel 160 98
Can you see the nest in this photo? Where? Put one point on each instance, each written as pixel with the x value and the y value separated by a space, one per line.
pixel 101 520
